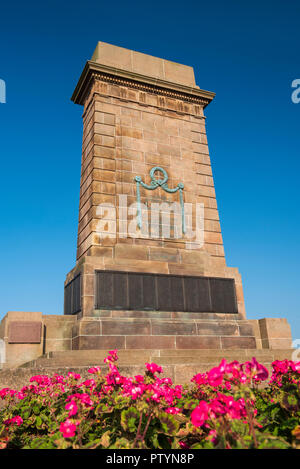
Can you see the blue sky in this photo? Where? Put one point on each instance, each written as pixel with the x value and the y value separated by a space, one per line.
pixel 247 52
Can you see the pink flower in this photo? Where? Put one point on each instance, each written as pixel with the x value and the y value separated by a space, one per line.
pixel 88 383
pixel 215 377
pixel 114 378
pixel 73 375
pixel 112 357
pixel 68 429
pixel 84 398
pixel 7 392
pixel 258 371
pixel 139 378
pixel 173 410
pixel 72 407
pixel 213 436
pixel 94 370
pixel 136 391
pixel 113 354
pixel 15 420
pixel 183 445
pixel 217 408
pixel 153 368
pixel 58 379
pixel 200 414
pixel 200 379
pixel 42 380
pixel 223 366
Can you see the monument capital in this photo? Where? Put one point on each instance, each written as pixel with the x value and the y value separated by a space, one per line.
pixel 143 72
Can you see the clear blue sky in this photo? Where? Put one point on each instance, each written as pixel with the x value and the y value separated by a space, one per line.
pixel 247 52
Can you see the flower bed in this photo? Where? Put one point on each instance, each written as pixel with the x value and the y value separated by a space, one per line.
pixel 227 407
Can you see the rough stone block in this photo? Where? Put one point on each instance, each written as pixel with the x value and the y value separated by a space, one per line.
pixel 150 342
pixel 101 342
pixel 198 342
pixel 174 327
pixel 238 342
pixel 128 327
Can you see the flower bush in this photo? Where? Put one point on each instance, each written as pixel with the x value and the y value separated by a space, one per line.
pixel 231 406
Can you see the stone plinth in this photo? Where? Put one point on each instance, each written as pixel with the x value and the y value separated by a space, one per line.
pixel 206 337
pixel 130 330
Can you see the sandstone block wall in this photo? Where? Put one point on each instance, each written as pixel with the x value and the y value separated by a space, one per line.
pixel 125 137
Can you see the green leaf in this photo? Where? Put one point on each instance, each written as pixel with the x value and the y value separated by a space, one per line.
pixel 36 409
pixel 168 423
pixel 39 421
pixel 129 419
pixel 104 408
pixel 190 404
pixel 121 443
pixel 270 442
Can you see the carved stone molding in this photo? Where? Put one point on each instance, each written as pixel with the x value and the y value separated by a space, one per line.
pixel 94 71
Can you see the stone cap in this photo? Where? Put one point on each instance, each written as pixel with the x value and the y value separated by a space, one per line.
pixel 136 62
pixel 134 69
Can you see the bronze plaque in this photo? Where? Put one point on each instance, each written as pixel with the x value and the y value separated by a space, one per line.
pixel 24 332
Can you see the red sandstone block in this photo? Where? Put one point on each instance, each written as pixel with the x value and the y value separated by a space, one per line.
pixel 141 314
pixel 101 343
pixel 198 342
pixel 217 328
pixel 90 328
pixel 246 329
pixel 150 342
pixel 128 327
pixel 238 342
pixel 173 328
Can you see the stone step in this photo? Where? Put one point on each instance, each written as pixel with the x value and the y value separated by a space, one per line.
pixel 168 342
pixel 132 354
pixel 179 365
pixel 161 357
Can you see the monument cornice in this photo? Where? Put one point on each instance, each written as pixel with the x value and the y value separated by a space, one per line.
pixel 113 75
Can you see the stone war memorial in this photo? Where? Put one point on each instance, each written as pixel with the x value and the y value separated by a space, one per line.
pixel 151 277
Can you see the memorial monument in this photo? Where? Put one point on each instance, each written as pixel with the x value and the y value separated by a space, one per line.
pixel 150 275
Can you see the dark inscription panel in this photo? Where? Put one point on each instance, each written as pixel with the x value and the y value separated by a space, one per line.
pixel 136 291
pixel 177 293
pixel 222 294
pixel 120 291
pixel 72 296
pixel 135 285
pixel 164 293
pixel 149 292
